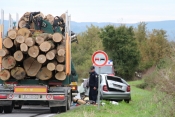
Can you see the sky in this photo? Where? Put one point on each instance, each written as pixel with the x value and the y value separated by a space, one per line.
pixel 116 11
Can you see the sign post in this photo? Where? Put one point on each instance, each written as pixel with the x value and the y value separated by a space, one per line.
pixel 99 58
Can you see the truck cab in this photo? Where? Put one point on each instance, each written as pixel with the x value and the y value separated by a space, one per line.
pixel 106 69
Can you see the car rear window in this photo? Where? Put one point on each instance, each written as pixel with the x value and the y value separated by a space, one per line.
pixel 114 79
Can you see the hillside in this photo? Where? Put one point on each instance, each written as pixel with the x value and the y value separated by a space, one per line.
pixel 79 27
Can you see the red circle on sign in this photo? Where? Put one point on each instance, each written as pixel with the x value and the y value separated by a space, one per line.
pixel 99 52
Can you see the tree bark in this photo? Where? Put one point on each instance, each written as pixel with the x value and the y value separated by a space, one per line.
pixel 60 76
pixel 41 58
pixel 24 32
pixel 29 41
pixel 61 50
pixel 20 39
pixel 12 34
pixel 51 54
pixel 7 42
pixel 60 67
pixel 60 59
pixel 57 37
pixel 18 55
pixel 33 51
pixel 46 46
pixel 31 66
pixel 18 73
pixel 49 18
pixel 3 52
pixel 4 75
pixel 44 74
pixel 51 65
pixel 8 62
pixel 42 37
pixel 23 47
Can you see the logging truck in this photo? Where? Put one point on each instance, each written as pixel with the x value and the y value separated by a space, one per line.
pixel 36 63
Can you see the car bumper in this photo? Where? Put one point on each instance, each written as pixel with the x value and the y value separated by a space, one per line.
pixel 115 96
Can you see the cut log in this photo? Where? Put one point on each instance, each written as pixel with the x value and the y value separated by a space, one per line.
pixel 20 39
pixel 22 24
pixel 44 74
pixel 60 67
pixel 8 62
pixel 23 47
pixel 46 46
pixel 4 75
pixel 60 76
pixel 18 73
pixel 51 65
pixel 26 16
pixel 12 34
pixel 57 37
pixel 60 59
pixel 29 41
pixel 3 52
pixel 24 32
pixel 64 17
pixel 31 66
pixel 41 38
pixel 7 42
pixel 49 18
pixel 41 58
pixel 51 54
pixel 33 51
pixel 61 50
pixel 18 55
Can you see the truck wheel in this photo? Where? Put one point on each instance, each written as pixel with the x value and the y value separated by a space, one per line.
pixel 17 106
pixel 54 109
pixel 63 108
pixel 1 109
pixel 69 101
pixel 8 109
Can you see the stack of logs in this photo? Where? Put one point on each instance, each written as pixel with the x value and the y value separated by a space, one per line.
pixel 33 54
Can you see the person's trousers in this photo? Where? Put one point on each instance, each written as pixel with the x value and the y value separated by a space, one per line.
pixel 93 94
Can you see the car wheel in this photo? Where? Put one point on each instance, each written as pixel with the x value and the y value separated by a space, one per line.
pixel 1 109
pixel 127 100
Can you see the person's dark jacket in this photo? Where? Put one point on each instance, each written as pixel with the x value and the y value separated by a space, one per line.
pixel 93 79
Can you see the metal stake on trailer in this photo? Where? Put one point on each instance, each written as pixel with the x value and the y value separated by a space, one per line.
pixel 1 34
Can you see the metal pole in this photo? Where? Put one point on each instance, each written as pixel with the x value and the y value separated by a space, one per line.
pixel 2 23
pixel 17 19
pixel 98 98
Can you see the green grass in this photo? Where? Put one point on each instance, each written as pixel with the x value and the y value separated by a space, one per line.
pixel 140 106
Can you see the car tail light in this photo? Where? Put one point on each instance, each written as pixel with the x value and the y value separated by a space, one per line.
pixel 3 96
pixel 128 88
pixel 58 97
pixel 105 88
pixel 74 87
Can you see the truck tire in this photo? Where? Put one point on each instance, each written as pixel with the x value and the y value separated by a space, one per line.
pixel 54 109
pixel 1 109
pixel 8 109
pixel 63 109
pixel 69 101
pixel 17 106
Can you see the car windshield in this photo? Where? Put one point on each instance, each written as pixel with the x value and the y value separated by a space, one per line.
pixel 104 70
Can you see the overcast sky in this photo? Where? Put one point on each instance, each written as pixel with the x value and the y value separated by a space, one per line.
pixel 117 11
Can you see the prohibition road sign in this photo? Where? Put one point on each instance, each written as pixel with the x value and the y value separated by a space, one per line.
pixel 99 58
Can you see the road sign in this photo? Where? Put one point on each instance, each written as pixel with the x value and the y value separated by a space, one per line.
pixel 99 58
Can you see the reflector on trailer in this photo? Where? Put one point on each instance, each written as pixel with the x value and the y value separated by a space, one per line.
pixel 59 97
pixel 2 96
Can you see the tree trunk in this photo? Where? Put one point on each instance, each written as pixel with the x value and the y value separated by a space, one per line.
pixel 7 42
pixel 31 66
pixel 4 52
pixel 60 67
pixel 20 39
pixel 51 65
pixel 42 37
pixel 57 37
pixel 24 32
pixel 60 76
pixel 18 55
pixel 18 73
pixel 49 18
pixel 23 47
pixel 61 50
pixel 51 54
pixel 4 75
pixel 12 34
pixel 46 46
pixel 44 74
pixel 41 58
pixel 33 51
pixel 8 62
pixel 60 59
pixel 22 24
pixel 29 41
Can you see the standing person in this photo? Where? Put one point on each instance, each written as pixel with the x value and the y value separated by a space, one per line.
pixel 93 84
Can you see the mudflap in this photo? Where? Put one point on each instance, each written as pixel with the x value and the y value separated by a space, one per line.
pixel 57 103
pixel 5 103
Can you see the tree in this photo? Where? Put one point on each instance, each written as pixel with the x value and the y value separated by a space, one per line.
pixel 121 46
